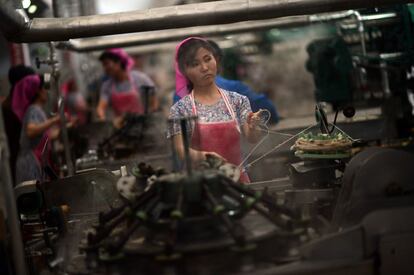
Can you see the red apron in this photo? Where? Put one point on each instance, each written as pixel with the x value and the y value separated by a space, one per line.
pixel 222 138
pixel 126 102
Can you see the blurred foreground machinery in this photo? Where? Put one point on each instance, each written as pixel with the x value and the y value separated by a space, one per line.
pixel 205 223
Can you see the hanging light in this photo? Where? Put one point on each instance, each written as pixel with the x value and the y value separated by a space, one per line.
pixel 26 3
pixel 32 9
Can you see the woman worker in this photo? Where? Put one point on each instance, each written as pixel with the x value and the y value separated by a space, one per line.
pixel 28 99
pixel 123 88
pixel 222 115
pixel 12 124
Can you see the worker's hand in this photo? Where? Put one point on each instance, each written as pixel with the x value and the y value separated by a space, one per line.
pixel 213 154
pixel 254 119
pixel 72 122
pixel 118 122
pixel 54 133
pixel 55 119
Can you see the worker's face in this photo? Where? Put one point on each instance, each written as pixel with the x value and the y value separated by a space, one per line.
pixel 43 95
pixel 202 69
pixel 111 67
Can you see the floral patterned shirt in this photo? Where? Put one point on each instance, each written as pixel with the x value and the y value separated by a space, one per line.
pixel 208 113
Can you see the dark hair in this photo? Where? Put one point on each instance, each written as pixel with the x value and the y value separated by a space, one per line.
pixel 113 57
pixel 42 81
pixel 218 53
pixel 41 85
pixel 18 72
pixel 188 50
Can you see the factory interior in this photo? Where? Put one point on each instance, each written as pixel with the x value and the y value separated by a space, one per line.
pixel 191 137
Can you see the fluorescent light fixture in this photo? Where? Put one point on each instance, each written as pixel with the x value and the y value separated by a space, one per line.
pixel 32 9
pixel 26 3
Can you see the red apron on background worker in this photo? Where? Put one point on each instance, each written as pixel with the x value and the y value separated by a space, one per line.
pixel 222 115
pixel 29 98
pixel 122 89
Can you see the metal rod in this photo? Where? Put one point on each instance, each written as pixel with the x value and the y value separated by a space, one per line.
pixel 277 220
pixel 186 144
pixel 174 156
pixel 144 198
pixel 237 232
pixel 105 217
pixel 384 79
pixel 61 109
pixel 361 31
pixel 284 224
pixel 264 198
pixel 199 14
pixel 146 91
pixel 176 215
pixel 121 239
pixel 8 194
pixel 103 231
pixel 217 208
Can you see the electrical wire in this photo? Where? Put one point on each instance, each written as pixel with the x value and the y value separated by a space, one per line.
pixel 277 147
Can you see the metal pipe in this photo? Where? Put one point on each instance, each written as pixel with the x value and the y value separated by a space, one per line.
pixel 157 37
pixel 8 193
pixel 372 20
pixel 186 144
pixel 12 20
pixel 384 79
pixel 358 18
pixel 209 13
pixel 55 8
pixel 361 31
pixel 61 108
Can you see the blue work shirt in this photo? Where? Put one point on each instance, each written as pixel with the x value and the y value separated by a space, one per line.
pixel 257 101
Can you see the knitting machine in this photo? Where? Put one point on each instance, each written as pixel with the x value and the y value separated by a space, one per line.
pixel 181 222
pixel 139 137
pixel 50 211
pixel 204 222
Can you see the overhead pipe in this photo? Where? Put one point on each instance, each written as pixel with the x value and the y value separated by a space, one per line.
pixel 200 14
pixel 353 13
pixel 372 20
pixel 157 37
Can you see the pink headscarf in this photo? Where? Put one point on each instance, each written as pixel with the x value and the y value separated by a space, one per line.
pixel 23 94
pixel 181 82
pixel 125 58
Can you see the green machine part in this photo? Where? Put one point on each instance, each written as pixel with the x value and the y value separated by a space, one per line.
pixel 330 59
pixel 330 62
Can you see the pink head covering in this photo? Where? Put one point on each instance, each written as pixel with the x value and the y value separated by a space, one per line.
pixel 181 81
pixel 125 58
pixel 23 94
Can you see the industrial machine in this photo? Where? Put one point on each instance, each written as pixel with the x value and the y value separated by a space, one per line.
pixel 339 207
pixel 368 63
pixel 180 222
pixel 176 223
